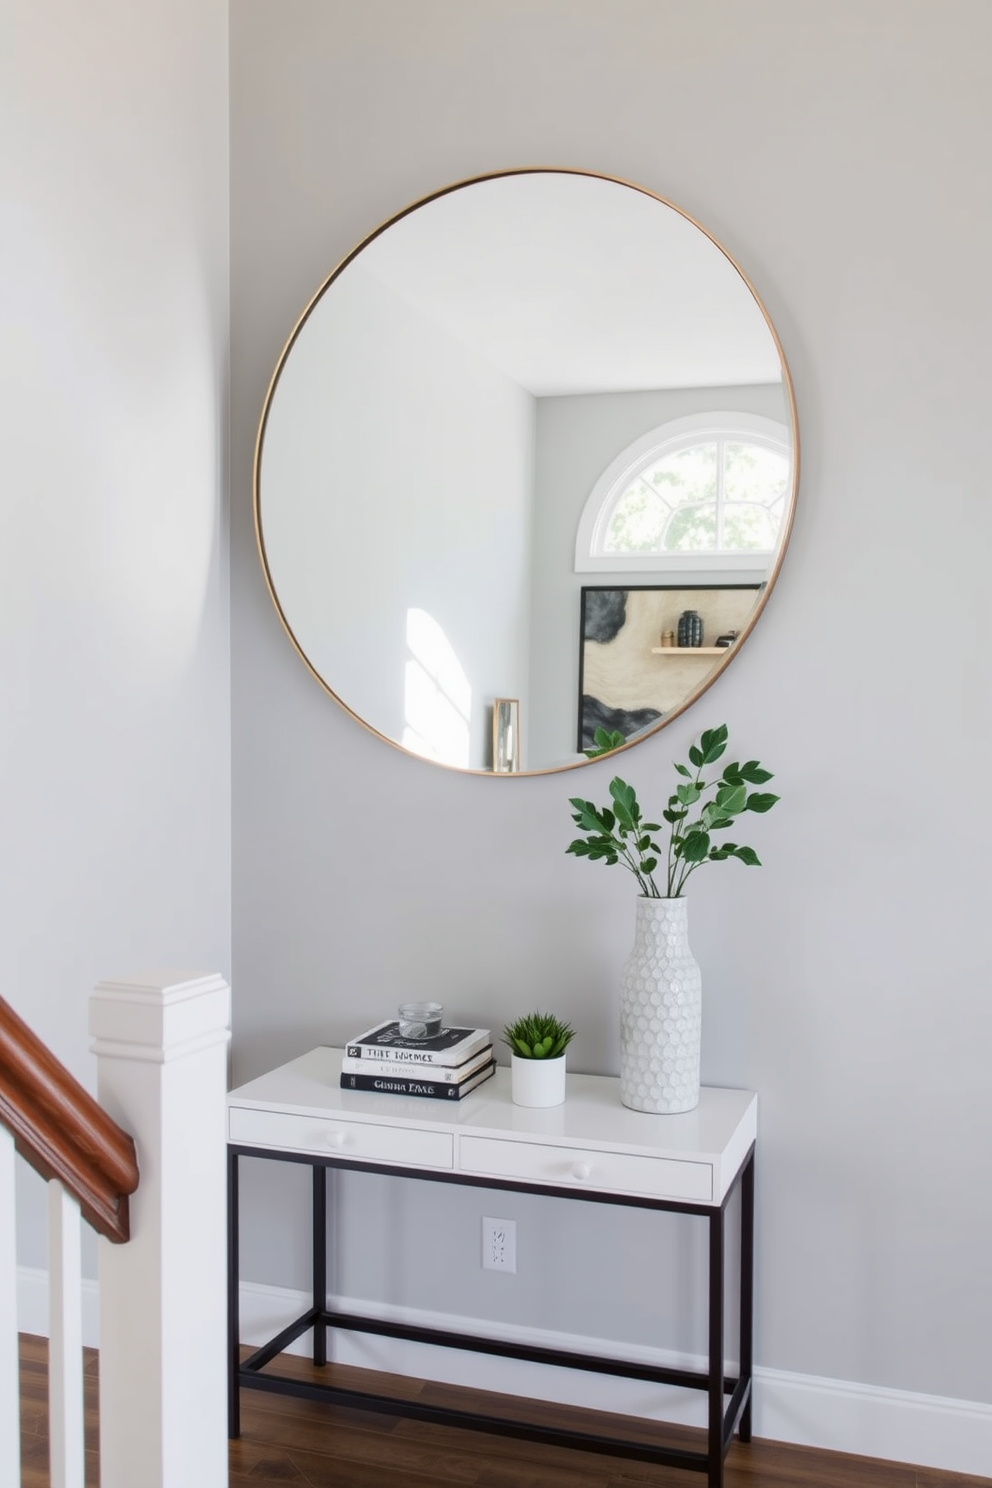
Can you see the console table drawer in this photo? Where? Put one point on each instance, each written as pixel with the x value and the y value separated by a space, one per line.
pixel 364 1141
pixel 613 1172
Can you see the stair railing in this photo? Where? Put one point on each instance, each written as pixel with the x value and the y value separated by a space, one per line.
pixel 162 1075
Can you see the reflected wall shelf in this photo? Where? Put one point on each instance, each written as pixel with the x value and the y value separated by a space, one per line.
pixel 689 650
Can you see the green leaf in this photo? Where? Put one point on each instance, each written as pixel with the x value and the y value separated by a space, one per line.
pixel 688 794
pixel 683 770
pixel 625 801
pixel 695 756
pixel 650 826
pixel 748 855
pixel 754 774
pixel 731 799
pixel 523 1048
pixel 695 846
pixel 589 818
pixel 648 865
pixel 713 742
pixel 761 801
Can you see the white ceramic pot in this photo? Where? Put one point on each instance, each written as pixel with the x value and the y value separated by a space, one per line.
pixel 660 1012
pixel 537 1082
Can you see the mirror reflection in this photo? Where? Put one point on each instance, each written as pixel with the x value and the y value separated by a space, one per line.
pixel 527 389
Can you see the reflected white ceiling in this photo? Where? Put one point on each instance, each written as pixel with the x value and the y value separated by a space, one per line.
pixel 572 284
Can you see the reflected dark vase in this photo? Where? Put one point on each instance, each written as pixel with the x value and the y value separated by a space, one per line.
pixel 690 628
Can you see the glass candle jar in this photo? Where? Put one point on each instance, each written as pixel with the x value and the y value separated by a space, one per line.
pixel 420 1020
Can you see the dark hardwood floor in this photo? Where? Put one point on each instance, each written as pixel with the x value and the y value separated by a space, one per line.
pixel 300 1443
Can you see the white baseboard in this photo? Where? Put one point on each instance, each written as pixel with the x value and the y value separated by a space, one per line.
pixel 32 1305
pixel 807 1410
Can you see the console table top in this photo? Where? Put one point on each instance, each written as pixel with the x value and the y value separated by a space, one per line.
pixel 590 1124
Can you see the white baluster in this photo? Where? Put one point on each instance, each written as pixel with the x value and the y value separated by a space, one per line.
pixel 65 1340
pixel 10 1402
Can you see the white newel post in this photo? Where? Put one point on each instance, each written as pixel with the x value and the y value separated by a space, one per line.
pixel 161 1045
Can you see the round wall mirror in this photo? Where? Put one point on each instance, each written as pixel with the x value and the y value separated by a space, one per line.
pixel 526 471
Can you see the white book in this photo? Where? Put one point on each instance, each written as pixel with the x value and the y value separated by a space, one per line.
pixel 449 1047
pixel 449 1074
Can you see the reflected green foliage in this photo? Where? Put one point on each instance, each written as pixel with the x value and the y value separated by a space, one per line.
pixel 606 742
pixel 693 529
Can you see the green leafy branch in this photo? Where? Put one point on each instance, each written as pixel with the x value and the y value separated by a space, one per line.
pixel 619 834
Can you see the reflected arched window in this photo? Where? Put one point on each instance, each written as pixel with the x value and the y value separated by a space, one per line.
pixel 706 491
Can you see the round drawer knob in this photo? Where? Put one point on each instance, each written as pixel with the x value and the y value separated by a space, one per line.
pixel 335 1139
pixel 581 1170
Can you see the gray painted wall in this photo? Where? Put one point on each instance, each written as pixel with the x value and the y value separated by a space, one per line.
pixel 114 644
pixel 839 153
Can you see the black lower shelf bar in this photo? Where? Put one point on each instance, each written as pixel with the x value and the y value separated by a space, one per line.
pixel 657 1374
pixel 738 1400
pixel 281 1342
pixel 441 1415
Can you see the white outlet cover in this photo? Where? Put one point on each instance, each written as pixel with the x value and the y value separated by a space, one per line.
pixel 499 1244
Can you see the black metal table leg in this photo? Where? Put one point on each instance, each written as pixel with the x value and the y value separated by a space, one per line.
pixel 715 1414
pixel 726 1407
pixel 319 1262
pixel 747 1293
pixel 233 1300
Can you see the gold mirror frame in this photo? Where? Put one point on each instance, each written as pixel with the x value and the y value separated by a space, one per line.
pixel 791 500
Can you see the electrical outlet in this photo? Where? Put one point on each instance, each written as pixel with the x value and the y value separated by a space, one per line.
pixel 499 1244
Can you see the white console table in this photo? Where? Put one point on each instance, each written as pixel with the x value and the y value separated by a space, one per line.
pixel 591 1148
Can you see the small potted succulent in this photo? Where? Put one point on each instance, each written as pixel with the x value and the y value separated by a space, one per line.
pixel 537 1044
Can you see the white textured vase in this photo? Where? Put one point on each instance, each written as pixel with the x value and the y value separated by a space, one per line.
pixel 660 1012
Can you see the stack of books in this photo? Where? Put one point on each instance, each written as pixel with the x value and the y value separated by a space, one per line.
pixel 446 1067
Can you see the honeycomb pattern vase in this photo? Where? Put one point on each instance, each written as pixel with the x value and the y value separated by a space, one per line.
pixel 660 1012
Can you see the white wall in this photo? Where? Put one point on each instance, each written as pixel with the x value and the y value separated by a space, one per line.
pixel 114 740
pixel 840 153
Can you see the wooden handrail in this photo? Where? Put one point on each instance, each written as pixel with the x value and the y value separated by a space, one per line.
pixel 62 1131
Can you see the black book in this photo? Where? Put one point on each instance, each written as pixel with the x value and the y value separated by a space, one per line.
pixel 417 1085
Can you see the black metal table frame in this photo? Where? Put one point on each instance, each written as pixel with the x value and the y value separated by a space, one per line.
pixel 724 1416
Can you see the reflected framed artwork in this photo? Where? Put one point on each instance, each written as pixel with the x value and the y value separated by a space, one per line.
pixel 642 649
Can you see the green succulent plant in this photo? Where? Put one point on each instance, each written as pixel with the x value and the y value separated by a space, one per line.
pixel 538 1036
pixel 619 834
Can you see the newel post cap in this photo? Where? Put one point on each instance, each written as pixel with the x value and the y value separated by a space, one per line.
pixel 159 1016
